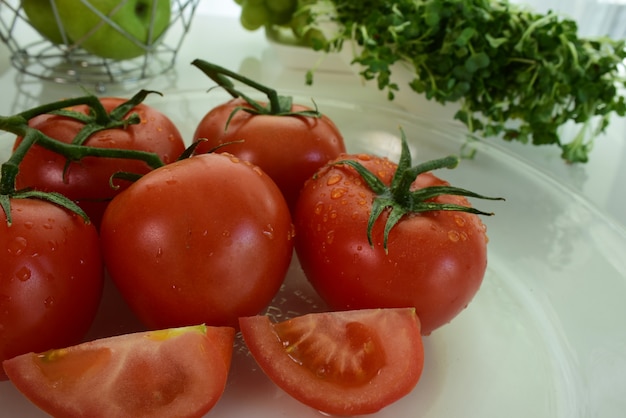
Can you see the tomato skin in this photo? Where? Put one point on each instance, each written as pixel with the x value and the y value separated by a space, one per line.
pixel 435 260
pixel 164 373
pixel 341 363
pixel 51 278
pixel 87 181
pixel 214 237
pixel 288 148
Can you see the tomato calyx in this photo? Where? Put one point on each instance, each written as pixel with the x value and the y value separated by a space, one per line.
pixel 52 197
pixel 99 119
pixel 277 105
pixel 401 200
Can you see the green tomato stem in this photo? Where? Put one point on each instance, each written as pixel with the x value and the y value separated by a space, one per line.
pixel 277 105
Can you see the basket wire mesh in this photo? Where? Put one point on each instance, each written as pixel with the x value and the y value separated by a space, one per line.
pixel 68 62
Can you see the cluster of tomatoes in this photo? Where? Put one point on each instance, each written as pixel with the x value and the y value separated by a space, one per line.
pixel 206 237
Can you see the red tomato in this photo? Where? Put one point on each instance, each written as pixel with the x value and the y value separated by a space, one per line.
pixel 341 363
pixel 435 260
pixel 203 240
pixel 168 373
pixel 87 181
pixel 288 148
pixel 51 278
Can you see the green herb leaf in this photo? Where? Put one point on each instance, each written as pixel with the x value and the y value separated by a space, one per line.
pixel 517 74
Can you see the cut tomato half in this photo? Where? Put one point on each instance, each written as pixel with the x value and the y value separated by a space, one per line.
pixel 340 363
pixel 178 372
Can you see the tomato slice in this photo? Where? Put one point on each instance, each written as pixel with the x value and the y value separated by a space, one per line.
pixel 178 372
pixel 341 363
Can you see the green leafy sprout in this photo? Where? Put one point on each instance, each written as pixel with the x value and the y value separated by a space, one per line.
pixel 515 74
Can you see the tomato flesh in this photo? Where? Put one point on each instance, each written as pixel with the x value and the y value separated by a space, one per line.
pixel 341 363
pixel 177 372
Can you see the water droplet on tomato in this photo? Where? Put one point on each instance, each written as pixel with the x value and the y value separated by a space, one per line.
pixel 454 236
pixel 52 245
pixel 159 252
pixel 23 274
pixel 319 207
pixel 257 170
pixel 47 226
pixel 338 192
pixel 322 371
pixel 234 159
pixel 269 231
pixel 49 302
pixel 333 179
pixel 364 157
pixel 459 220
pixel 17 246
pixel 28 225
pixel 330 237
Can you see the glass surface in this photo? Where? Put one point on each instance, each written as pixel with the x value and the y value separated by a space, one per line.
pixel 544 336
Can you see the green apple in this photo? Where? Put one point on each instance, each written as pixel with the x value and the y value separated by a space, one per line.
pixel 41 17
pixel 116 29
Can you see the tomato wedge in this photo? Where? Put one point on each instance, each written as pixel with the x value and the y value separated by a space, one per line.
pixel 177 372
pixel 340 363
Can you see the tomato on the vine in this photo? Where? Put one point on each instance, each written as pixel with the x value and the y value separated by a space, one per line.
pixel 51 277
pixel 288 141
pixel 87 181
pixel 178 372
pixel 391 236
pixel 206 239
pixel 340 363
pixel 289 148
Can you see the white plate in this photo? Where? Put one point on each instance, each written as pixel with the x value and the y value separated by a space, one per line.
pixel 544 337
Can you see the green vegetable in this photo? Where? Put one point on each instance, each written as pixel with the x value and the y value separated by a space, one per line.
pixel 516 74
pixel 258 13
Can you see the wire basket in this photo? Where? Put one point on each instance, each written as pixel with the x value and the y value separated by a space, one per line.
pixel 68 61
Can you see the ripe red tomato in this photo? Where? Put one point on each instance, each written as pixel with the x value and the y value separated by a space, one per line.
pixel 87 181
pixel 203 240
pixel 340 363
pixel 434 261
pixel 51 278
pixel 168 373
pixel 288 148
